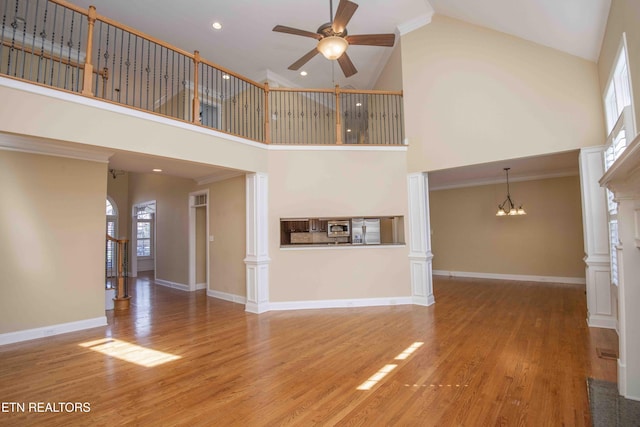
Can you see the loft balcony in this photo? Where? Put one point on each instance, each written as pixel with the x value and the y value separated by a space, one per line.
pixel 65 47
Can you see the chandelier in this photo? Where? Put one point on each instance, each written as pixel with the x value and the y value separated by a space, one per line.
pixel 508 207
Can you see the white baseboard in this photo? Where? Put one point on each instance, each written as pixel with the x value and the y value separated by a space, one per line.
pixel 226 296
pixel 518 277
pixel 602 322
pixel 47 331
pixel 174 285
pixel 200 286
pixel 339 303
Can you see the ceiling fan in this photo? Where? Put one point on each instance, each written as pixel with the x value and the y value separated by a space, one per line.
pixel 333 40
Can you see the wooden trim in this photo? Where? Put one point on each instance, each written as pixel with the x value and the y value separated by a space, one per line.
pixel 87 81
pixel 231 73
pixel 43 55
pixel 113 239
pixel 71 6
pixel 373 92
pixel 356 91
pixel 286 89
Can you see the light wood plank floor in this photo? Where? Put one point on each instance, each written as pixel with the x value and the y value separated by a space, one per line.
pixel 492 353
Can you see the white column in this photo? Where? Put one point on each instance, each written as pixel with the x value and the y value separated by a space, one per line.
pixel 629 294
pixel 257 259
pixel 600 294
pixel 420 255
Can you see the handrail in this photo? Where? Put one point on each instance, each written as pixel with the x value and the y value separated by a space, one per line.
pixel 354 91
pixel 232 73
pixel 113 239
pixel 177 90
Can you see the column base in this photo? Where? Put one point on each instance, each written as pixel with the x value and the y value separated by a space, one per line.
pixel 121 303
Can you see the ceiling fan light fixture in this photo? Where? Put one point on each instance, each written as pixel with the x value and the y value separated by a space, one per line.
pixel 332 47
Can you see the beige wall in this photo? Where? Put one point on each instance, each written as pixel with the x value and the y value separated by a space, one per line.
pixel 336 184
pixel 227 209
pixel 70 121
pixel 624 16
pixel 468 237
pixel 391 76
pixel 172 221
pixel 473 95
pixel 118 190
pixel 52 228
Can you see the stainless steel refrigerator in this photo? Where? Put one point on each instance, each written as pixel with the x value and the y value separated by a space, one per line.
pixel 365 231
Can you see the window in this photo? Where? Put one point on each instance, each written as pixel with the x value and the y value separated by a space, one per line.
pixel 144 215
pixel 618 94
pixel 621 128
pixel 112 230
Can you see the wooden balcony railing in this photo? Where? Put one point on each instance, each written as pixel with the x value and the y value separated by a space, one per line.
pixel 63 46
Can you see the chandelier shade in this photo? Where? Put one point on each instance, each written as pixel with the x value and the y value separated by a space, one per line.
pixel 332 47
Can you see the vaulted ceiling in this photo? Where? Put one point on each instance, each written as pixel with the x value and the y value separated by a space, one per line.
pixel 246 44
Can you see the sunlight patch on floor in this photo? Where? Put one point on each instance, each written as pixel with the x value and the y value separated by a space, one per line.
pixel 409 350
pixel 375 378
pixel 130 352
pixel 378 376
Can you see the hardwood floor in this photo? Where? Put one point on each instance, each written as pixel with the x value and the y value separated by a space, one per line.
pixel 487 353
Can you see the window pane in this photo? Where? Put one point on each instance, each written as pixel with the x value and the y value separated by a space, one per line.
pixel 144 230
pixel 111 228
pixel 143 247
pixel 611 108
pixel 110 209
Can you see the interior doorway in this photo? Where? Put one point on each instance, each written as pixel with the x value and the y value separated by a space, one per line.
pixel 112 230
pixel 143 245
pixel 199 239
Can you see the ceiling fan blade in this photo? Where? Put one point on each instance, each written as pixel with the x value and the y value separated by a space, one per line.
pixel 345 11
pixel 347 66
pixel 372 39
pixel 306 58
pixel 296 32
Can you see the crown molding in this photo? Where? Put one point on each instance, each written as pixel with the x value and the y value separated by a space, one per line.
pixel 27 144
pixel 490 181
pixel 415 23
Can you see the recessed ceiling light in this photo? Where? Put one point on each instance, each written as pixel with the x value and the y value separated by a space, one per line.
pixel 157 170
pixel 303 73
pixel 348 130
pixel 226 76
pixel 217 26
pixel 358 104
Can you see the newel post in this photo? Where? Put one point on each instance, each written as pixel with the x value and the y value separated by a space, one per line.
pixel 88 66
pixel 196 100
pixel 338 118
pixel 267 128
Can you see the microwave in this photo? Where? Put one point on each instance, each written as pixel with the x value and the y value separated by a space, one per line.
pixel 338 228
